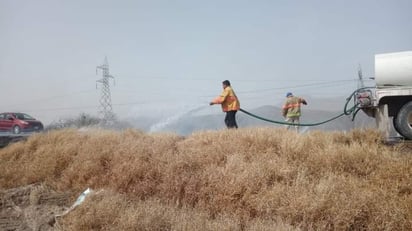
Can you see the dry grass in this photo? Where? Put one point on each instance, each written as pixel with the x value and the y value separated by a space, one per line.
pixel 245 179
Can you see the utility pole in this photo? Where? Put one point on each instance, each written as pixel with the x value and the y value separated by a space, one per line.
pixel 105 107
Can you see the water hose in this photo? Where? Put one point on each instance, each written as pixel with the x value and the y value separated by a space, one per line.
pixel 353 110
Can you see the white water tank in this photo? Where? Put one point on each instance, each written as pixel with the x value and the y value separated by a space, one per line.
pixel 393 69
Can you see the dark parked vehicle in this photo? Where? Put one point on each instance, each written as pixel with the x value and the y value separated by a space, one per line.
pixel 17 122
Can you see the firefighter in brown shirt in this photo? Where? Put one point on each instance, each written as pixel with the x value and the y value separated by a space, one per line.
pixel 291 109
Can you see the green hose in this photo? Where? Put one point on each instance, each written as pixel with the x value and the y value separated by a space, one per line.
pixel 353 110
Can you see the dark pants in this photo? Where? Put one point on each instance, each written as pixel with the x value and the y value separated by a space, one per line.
pixel 230 119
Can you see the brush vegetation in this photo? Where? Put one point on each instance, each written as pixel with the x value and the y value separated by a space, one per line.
pixel 245 179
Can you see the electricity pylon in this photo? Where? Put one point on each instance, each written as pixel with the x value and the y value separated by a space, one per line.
pixel 105 107
pixel 360 78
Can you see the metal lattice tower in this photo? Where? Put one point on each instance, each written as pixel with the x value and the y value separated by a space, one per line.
pixel 106 109
pixel 360 77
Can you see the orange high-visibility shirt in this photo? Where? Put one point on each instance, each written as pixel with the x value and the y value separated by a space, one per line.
pixel 228 100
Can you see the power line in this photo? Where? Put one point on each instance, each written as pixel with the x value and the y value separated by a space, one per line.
pixel 61 108
pixel 323 84
pixel 329 83
pixel 87 107
pixel 298 86
pixel 49 98
pixel 193 78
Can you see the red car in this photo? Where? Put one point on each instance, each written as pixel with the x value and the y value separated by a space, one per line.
pixel 17 122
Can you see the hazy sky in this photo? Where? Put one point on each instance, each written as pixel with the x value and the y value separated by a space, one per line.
pixel 170 56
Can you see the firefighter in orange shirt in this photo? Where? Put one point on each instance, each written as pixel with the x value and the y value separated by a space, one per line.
pixel 230 104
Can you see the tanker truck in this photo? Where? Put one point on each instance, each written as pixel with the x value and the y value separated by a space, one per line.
pixel 391 98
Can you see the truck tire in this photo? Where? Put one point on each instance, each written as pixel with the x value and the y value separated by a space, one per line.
pixel 403 121
pixel 395 126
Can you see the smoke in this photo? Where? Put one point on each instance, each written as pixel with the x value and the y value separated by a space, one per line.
pixel 163 123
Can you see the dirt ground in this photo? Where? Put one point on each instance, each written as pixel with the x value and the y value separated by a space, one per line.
pixel 32 207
